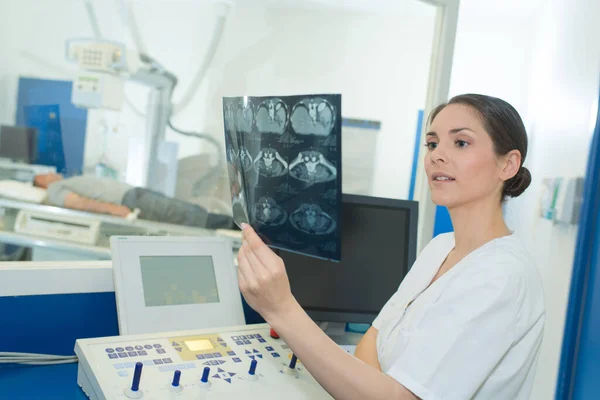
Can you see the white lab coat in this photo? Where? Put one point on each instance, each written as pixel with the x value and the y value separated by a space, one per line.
pixel 475 333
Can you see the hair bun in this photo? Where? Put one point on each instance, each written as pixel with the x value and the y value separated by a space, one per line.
pixel 518 183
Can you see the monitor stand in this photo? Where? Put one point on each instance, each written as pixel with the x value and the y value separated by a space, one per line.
pixel 337 332
pixel 333 328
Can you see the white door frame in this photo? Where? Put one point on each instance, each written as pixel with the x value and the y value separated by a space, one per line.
pixel 437 92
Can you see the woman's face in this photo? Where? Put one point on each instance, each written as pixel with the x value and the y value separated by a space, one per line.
pixel 460 161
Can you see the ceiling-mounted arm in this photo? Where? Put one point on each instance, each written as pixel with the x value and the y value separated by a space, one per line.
pixel 105 66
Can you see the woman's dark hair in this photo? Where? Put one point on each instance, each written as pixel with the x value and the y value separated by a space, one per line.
pixel 506 129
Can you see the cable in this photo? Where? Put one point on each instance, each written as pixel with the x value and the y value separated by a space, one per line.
pixel 35 359
pixel 210 54
pixel 199 186
pixel 89 7
pixel 204 136
pixel 134 29
pixel 129 20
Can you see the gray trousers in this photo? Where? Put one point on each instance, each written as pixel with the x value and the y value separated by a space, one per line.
pixel 155 206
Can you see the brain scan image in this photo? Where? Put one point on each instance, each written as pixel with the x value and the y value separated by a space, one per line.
pixel 311 219
pixel 269 163
pixel 312 167
pixel 231 155
pixel 244 117
pixel 272 116
pixel 229 115
pixel 245 159
pixel 268 212
pixel 283 155
pixel 314 116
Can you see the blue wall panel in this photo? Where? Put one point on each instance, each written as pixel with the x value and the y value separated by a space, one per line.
pixel 50 324
pixel 580 358
pixel 73 120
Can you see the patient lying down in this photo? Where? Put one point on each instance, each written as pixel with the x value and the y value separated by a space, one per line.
pixel 108 196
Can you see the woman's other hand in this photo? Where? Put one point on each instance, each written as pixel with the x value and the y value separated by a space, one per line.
pixel 262 277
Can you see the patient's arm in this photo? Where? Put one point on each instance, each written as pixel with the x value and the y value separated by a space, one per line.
pixel 366 350
pixel 77 202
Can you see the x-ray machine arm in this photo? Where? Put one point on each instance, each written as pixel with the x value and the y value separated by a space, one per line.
pixel 105 68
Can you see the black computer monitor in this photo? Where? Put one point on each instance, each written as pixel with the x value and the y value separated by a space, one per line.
pixel 18 143
pixel 379 246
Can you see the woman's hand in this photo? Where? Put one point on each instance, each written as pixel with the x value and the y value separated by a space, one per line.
pixel 262 277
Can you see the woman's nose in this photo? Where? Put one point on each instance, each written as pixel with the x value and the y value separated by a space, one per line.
pixel 438 155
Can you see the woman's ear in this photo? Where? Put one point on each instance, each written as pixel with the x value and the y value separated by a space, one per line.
pixel 510 165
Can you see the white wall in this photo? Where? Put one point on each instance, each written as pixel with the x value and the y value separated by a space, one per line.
pixel 378 61
pixel 546 64
pixel 487 61
pixel 563 95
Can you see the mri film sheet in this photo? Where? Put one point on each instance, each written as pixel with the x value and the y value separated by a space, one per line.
pixel 284 162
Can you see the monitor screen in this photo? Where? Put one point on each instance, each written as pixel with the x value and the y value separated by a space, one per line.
pixel 175 280
pixel 378 248
pixel 18 143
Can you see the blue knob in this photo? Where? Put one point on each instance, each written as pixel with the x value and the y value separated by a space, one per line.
pixel 205 375
pixel 252 367
pixel 293 361
pixel 137 375
pixel 176 377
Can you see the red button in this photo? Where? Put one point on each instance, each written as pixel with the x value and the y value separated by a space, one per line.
pixel 274 334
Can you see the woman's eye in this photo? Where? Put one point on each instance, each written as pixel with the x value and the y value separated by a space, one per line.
pixel 431 145
pixel 461 143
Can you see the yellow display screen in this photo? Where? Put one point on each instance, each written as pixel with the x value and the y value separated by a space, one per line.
pixel 199 345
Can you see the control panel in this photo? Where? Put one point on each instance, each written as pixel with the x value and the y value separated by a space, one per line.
pixel 238 362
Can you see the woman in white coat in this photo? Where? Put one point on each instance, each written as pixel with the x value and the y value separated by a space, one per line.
pixel 468 319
